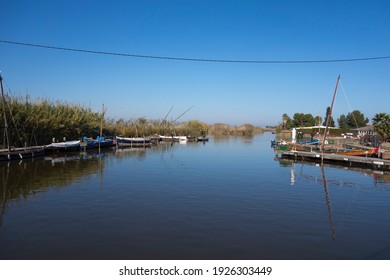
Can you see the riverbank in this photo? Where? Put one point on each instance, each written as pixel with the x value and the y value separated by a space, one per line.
pixel 39 121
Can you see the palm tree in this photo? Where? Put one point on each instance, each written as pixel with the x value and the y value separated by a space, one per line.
pixel 381 124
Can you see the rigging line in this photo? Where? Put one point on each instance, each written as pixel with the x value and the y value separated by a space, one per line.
pixel 198 59
pixel 349 105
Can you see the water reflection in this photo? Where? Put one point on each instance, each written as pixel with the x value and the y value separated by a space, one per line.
pixel 379 177
pixel 20 180
pixel 327 199
pixel 193 201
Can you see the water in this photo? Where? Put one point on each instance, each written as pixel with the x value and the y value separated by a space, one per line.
pixel 225 199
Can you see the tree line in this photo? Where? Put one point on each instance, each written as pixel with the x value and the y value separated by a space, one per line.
pixel 355 119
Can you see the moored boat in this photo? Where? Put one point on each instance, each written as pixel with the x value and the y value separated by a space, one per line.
pixel 202 139
pixel 133 141
pixel 173 138
pixel 359 152
pixel 21 153
pixel 312 142
pixel 64 146
pixel 89 143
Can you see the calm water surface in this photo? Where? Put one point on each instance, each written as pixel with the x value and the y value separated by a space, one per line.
pixel 225 199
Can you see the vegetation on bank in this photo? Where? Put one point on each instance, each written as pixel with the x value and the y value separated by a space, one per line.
pixel 38 121
pixel 355 119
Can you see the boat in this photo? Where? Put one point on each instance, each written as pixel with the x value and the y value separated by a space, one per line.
pixel 64 146
pixel 10 153
pixel 133 141
pixel 310 146
pixel 21 153
pixel 173 138
pixel 312 142
pixel 89 143
pixel 359 152
pixel 347 152
pixel 202 139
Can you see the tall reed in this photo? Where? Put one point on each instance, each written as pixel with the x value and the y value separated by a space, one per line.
pixel 39 121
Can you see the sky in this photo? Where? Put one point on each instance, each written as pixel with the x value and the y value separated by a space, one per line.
pixel 233 93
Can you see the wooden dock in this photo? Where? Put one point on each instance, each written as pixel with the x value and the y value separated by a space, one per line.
pixel 368 162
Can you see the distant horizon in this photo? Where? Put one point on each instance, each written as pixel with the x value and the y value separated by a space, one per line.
pixel 232 123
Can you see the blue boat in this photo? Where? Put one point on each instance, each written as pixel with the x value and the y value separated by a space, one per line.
pixel 313 142
pixel 89 143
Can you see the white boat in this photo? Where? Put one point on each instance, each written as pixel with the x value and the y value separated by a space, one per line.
pixel 66 145
pixel 174 138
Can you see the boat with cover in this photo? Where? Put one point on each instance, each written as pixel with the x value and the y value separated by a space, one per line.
pixel 64 146
pixel 89 143
pixel 10 153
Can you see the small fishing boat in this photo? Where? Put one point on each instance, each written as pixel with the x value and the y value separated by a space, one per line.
pixel 21 153
pixel 64 146
pixel 202 139
pixel 173 138
pixel 312 142
pixel 359 152
pixel 133 141
pixel 89 143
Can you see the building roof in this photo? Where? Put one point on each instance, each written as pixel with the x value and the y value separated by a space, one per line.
pixel 364 128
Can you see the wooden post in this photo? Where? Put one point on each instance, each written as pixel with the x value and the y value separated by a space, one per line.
pixel 6 136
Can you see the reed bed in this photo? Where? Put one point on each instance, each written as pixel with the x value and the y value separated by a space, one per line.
pixel 40 121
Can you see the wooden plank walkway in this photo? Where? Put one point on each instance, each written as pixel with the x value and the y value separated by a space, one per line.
pixel 370 162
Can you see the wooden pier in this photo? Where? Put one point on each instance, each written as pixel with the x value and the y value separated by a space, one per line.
pixel 369 162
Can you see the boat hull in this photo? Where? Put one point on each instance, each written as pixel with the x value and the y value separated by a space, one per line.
pixel 133 141
pixel 21 153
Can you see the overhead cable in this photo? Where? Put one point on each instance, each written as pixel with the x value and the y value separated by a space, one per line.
pixel 198 59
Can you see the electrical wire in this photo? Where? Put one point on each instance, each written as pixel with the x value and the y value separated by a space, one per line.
pixel 197 59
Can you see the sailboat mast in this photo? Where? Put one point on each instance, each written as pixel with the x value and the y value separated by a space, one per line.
pixel 101 127
pixel 329 117
pixel 6 136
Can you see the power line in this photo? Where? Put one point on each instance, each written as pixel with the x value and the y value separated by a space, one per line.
pixel 198 59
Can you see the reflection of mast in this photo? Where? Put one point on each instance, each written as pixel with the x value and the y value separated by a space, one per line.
pixel 5 180
pixel 330 215
pixel 292 174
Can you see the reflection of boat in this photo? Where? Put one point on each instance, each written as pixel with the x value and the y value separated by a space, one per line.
pixel 133 141
pixel 15 153
pixel 63 159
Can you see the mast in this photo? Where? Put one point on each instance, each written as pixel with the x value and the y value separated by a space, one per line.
pixel 101 127
pixel 329 115
pixel 6 136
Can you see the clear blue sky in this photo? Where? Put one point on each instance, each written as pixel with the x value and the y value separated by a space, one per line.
pixel 232 93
